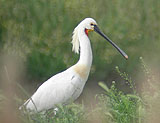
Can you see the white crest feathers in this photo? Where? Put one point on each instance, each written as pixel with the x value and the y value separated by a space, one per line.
pixel 75 41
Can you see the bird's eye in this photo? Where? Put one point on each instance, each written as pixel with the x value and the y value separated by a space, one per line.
pixel 92 24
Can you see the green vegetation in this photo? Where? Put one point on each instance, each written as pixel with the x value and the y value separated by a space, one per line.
pixel 72 113
pixel 118 107
pixel 114 106
pixel 35 29
pixel 35 38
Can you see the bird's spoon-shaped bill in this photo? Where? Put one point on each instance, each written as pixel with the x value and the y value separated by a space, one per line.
pixel 96 29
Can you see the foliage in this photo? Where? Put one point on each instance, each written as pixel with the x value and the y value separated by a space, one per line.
pixel 72 113
pixel 39 32
pixel 133 25
pixel 48 66
pixel 114 106
pixel 120 107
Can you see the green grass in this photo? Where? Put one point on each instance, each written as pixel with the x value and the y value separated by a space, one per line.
pixel 118 107
pixel 72 113
pixel 114 106
pixel 37 34
pixel 31 29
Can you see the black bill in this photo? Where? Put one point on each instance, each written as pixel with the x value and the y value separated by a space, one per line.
pixel 96 29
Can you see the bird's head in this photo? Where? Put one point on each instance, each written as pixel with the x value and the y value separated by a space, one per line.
pixel 88 25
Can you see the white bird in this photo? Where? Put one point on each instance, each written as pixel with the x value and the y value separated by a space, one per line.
pixel 69 84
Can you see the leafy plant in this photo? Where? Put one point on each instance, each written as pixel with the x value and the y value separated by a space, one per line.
pixel 120 107
pixel 72 113
pixel 137 107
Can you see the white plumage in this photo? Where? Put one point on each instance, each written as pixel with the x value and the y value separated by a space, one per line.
pixel 68 85
pixel 60 88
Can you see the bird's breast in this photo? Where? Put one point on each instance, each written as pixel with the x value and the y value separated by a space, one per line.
pixel 82 70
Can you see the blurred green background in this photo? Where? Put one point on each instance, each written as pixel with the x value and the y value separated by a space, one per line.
pixel 38 33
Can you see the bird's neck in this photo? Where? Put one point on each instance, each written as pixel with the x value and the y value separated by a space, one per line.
pixel 85 50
